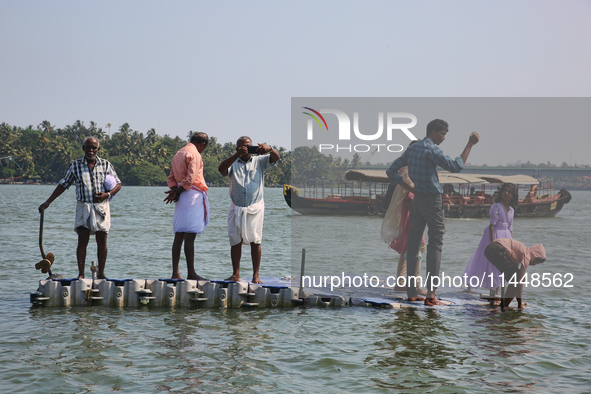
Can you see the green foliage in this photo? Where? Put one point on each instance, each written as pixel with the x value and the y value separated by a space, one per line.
pixel 147 174
pixel 210 170
pixel 45 152
pixel 309 163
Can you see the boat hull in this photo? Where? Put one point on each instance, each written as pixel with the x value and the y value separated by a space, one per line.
pixel 358 206
pixel 542 208
pixel 546 207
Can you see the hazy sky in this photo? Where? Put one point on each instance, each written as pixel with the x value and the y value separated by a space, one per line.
pixel 230 68
pixel 511 129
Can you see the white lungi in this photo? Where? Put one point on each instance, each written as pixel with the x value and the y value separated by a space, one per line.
pixel 191 212
pixel 245 224
pixel 93 216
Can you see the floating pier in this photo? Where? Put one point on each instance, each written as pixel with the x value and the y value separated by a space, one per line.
pixel 175 292
pixel 275 292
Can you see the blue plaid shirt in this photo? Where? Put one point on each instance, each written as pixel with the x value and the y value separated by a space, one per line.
pixel 88 182
pixel 422 160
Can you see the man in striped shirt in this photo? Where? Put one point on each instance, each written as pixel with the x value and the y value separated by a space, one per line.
pixel 422 160
pixel 93 214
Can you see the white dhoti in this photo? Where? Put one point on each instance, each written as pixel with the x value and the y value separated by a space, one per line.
pixel 245 224
pixel 93 216
pixel 191 212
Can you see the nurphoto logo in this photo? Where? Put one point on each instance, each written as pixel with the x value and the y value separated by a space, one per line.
pixel 393 127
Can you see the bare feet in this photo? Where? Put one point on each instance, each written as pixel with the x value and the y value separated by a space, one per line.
pixel 176 276
pixel 80 276
pixel 257 280
pixel 101 277
pixel 233 278
pixel 435 301
pixel 415 299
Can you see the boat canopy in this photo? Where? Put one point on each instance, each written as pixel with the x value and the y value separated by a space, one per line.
pixel 381 177
pixel 445 178
pixel 367 176
pixel 516 179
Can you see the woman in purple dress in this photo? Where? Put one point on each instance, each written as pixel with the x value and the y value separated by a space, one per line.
pixel 501 226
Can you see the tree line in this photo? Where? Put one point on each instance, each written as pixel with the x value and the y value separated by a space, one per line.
pixel 44 153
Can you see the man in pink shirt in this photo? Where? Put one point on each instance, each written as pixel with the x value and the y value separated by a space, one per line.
pixel 512 258
pixel 188 191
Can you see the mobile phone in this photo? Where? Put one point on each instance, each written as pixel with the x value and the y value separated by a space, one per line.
pixel 252 148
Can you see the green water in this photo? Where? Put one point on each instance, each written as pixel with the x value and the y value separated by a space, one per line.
pixel 544 348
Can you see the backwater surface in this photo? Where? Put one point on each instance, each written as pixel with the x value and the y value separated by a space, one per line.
pixel 472 349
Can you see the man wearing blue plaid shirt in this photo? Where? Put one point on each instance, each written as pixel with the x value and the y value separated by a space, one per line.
pixel 422 160
pixel 93 213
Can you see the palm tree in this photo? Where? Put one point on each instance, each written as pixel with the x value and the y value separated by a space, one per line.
pixel 137 139
pixel 80 131
pixel 100 134
pixel 46 126
pixel 26 156
pixel 125 130
pixel 151 136
pixel 356 162
pixel 158 154
pixel 122 139
pixel 8 133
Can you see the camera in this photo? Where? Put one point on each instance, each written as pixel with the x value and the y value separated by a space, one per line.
pixel 252 148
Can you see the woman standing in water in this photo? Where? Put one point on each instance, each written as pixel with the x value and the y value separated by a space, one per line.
pixel 501 226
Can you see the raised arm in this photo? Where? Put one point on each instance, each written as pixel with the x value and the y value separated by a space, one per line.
pixel 226 164
pixel 264 148
pixel 473 140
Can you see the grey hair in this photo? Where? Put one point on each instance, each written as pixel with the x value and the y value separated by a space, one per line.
pixel 91 138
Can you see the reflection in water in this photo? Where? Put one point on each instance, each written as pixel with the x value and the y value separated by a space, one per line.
pixel 458 349
pixel 506 334
pixel 419 343
pixel 504 340
pixel 417 340
pixel 178 349
pixel 73 341
pixel 205 362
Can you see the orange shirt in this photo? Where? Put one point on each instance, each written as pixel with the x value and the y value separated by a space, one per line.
pixel 187 169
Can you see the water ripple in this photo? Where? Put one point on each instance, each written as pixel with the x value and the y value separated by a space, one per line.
pixel 472 349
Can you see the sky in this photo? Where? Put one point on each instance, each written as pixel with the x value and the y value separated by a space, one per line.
pixel 231 68
pixel 512 130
